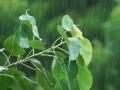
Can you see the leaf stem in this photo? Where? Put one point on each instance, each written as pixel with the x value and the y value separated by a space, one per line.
pixel 28 66
pixel 63 50
pixel 56 41
pixel 33 48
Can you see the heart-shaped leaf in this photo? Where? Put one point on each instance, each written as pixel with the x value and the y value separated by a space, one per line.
pixel 67 23
pixel 86 50
pixel 84 75
pixel 12 47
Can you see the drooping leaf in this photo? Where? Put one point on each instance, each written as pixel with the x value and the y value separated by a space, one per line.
pixel 86 50
pixel 65 74
pixel 29 18
pixel 44 78
pixel 37 44
pixel 84 75
pixel 35 32
pixel 67 23
pixel 12 47
pixel 32 21
pixel 59 70
pixel 58 73
pixel 58 64
pixel 72 70
pixel 62 33
pixel 22 39
pixel 72 73
pixel 74 48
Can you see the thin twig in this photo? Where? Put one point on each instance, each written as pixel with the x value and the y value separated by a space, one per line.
pixel 63 50
pixel 29 53
pixel 7 58
pixel 28 66
pixel 56 41
pixel 47 55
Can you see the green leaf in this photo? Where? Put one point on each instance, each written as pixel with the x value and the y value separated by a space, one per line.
pixel 72 73
pixel 86 50
pixel 22 39
pixel 2 68
pixel 67 23
pixel 18 77
pixel 32 21
pixel 84 76
pixel 72 70
pixel 63 73
pixel 58 66
pixel 5 82
pixel 37 44
pixel 58 73
pixel 74 48
pixel 57 70
pixel 44 78
pixel 62 33
pixel 12 47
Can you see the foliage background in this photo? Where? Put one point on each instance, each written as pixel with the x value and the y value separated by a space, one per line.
pixel 98 20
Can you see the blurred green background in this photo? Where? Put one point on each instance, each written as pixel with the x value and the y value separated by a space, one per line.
pixel 99 20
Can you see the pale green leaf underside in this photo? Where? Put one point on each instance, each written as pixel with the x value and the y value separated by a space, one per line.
pixel 74 48
pixel 32 21
pixel 67 23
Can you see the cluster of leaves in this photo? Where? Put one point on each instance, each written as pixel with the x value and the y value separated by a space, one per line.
pixel 69 66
